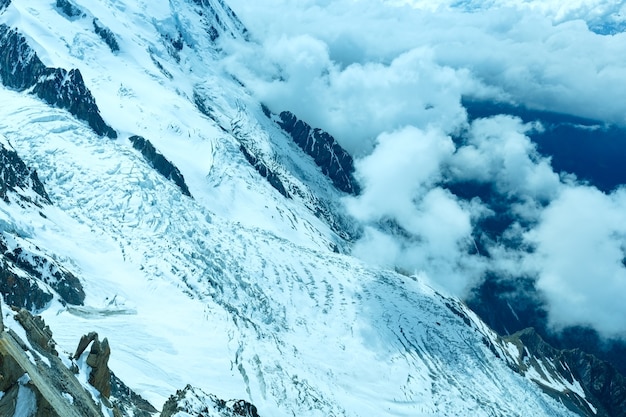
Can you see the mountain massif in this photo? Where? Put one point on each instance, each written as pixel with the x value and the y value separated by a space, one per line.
pixel 172 247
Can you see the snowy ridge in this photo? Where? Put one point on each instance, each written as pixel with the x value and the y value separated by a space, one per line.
pixel 235 291
pixel 267 309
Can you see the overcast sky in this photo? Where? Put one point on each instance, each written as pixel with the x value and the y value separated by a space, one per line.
pixel 386 79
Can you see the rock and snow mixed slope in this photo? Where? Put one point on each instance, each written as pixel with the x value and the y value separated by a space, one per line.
pixel 231 287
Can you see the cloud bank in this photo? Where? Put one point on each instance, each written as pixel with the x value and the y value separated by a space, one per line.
pixel 387 79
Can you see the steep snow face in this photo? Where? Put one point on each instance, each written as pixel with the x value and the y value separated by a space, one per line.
pixel 166 57
pixel 235 290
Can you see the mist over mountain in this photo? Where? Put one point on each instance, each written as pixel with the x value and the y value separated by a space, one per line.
pixel 312 208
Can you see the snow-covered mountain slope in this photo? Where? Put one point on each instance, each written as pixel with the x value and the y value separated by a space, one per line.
pixel 235 288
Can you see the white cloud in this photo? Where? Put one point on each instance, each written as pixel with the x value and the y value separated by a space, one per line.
pixel 580 248
pixel 535 52
pixel 498 151
pixel 399 184
pixel 358 102
pixel 386 79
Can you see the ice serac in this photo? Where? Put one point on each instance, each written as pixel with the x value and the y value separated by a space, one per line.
pixel 4 4
pixel 194 402
pixel 602 390
pixel 334 161
pixel 160 163
pixel 28 276
pixel 21 69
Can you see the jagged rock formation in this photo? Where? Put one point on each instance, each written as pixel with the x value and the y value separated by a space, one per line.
pixel 69 9
pixel 35 380
pixel 4 4
pixel 22 292
pixel 29 276
pixel 21 69
pixel 14 175
pixel 194 402
pixel 37 331
pixel 603 386
pixel 98 360
pixel 160 163
pixel 127 401
pixel 334 161
pixel 265 172
pixel 219 18
pixel 107 35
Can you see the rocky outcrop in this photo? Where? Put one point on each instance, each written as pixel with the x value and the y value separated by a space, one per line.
pixel 35 379
pixel 264 171
pixel 604 388
pixel 160 163
pixel 69 9
pixel 194 402
pixel 4 4
pixel 22 291
pixel 107 35
pixel 98 360
pixel 29 274
pixel 220 19
pixel 335 162
pixel 18 178
pixel 127 401
pixel 21 69
pixel 37 331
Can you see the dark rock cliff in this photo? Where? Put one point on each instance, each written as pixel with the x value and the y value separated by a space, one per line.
pixel 4 4
pixel 69 9
pixel 16 177
pixel 335 162
pixel 107 35
pixel 29 276
pixel 264 171
pixel 220 19
pixel 21 69
pixel 35 370
pixel 160 163
pixel 604 387
pixel 196 403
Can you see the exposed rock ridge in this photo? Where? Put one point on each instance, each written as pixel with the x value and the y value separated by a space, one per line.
pixel 335 162
pixel 218 23
pixel 603 386
pixel 193 402
pixel 48 380
pixel 33 366
pixel 21 69
pixel 4 4
pixel 27 276
pixel 14 175
pixel 265 172
pixel 98 360
pixel 160 163
pixel 69 9
pixel 106 34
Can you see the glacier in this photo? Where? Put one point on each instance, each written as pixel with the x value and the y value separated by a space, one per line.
pixel 233 289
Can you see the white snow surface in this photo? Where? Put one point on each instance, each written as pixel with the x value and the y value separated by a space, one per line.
pixel 235 290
